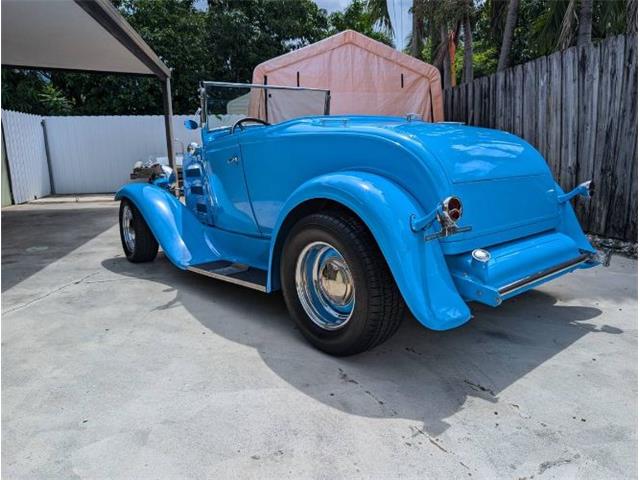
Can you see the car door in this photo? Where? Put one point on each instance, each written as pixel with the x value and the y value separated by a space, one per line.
pixel 229 199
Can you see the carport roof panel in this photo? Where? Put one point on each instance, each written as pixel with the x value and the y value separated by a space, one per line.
pixel 88 35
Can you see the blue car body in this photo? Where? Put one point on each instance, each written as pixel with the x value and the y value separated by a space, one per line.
pixel 245 189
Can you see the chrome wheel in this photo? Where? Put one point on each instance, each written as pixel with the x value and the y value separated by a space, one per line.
pixel 128 232
pixel 325 286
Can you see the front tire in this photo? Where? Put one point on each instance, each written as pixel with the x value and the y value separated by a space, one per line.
pixel 138 242
pixel 337 285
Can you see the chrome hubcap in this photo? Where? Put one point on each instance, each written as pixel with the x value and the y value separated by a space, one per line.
pixel 325 286
pixel 128 232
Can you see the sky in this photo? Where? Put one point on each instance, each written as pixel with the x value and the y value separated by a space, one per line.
pixel 398 9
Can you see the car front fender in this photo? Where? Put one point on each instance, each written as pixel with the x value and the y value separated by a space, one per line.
pixel 418 266
pixel 177 230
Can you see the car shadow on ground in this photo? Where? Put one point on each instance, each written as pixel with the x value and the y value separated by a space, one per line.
pixel 24 254
pixel 418 374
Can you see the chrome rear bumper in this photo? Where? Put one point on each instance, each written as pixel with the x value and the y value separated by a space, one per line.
pixel 544 274
pixel 514 267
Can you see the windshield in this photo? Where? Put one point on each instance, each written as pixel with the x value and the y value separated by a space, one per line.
pixel 226 103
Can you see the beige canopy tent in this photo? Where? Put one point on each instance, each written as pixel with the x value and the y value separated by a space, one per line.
pixel 363 75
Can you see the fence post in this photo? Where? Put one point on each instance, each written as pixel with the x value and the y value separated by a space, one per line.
pixel 5 165
pixel 52 186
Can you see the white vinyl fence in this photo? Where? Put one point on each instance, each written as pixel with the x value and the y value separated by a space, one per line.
pixel 26 156
pixel 92 154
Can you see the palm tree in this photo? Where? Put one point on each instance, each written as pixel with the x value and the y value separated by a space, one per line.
pixel 440 21
pixel 632 16
pixel 468 44
pixel 563 21
pixel 584 24
pixel 379 12
pixel 446 57
pixel 567 29
pixel 417 29
pixel 555 28
pixel 507 38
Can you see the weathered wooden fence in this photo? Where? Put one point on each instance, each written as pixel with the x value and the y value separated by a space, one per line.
pixel 578 107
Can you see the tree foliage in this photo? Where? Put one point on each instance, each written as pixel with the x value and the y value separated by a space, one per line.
pixel 378 11
pixel 538 31
pixel 20 90
pixel 229 38
pixel 244 33
pixel 222 42
pixel 547 33
pixel 358 17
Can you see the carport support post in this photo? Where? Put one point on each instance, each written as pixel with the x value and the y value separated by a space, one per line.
pixel 168 126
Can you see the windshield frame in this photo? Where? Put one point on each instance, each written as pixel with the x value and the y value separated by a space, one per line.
pixel 204 117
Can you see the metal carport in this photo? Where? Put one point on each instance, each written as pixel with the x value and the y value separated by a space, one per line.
pixel 80 35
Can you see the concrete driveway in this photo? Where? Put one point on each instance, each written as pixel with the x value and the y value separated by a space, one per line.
pixel 116 370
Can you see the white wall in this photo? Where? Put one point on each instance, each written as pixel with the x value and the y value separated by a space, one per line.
pixel 26 155
pixel 93 154
pixel 96 154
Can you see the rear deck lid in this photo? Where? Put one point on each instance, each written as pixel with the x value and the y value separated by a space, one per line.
pixel 471 154
pixel 504 183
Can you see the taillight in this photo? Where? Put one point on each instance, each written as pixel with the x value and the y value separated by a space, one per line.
pixel 452 207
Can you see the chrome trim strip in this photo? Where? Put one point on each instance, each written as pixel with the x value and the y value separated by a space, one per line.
pixel 536 277
pixel 225 278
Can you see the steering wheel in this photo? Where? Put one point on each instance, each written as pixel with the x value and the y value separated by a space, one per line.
pixel 239 123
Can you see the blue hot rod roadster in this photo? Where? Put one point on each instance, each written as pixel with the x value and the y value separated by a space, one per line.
pixel 355 217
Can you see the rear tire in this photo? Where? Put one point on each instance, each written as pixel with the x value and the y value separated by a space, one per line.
pixel 138 242
pixel 337 285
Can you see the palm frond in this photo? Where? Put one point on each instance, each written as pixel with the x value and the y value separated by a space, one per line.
pixel 568 27
pixel 610 17
pixel 546 28
pixel 379 12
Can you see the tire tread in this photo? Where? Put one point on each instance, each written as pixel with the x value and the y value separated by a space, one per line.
pixel 146 244
pixel 386 308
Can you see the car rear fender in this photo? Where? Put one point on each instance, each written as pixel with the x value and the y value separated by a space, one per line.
pixel 418 267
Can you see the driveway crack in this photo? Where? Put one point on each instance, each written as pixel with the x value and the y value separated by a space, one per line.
pixel 48 294
pixel 419 431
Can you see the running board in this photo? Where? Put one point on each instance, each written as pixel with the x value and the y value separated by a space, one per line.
pixel 233 273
